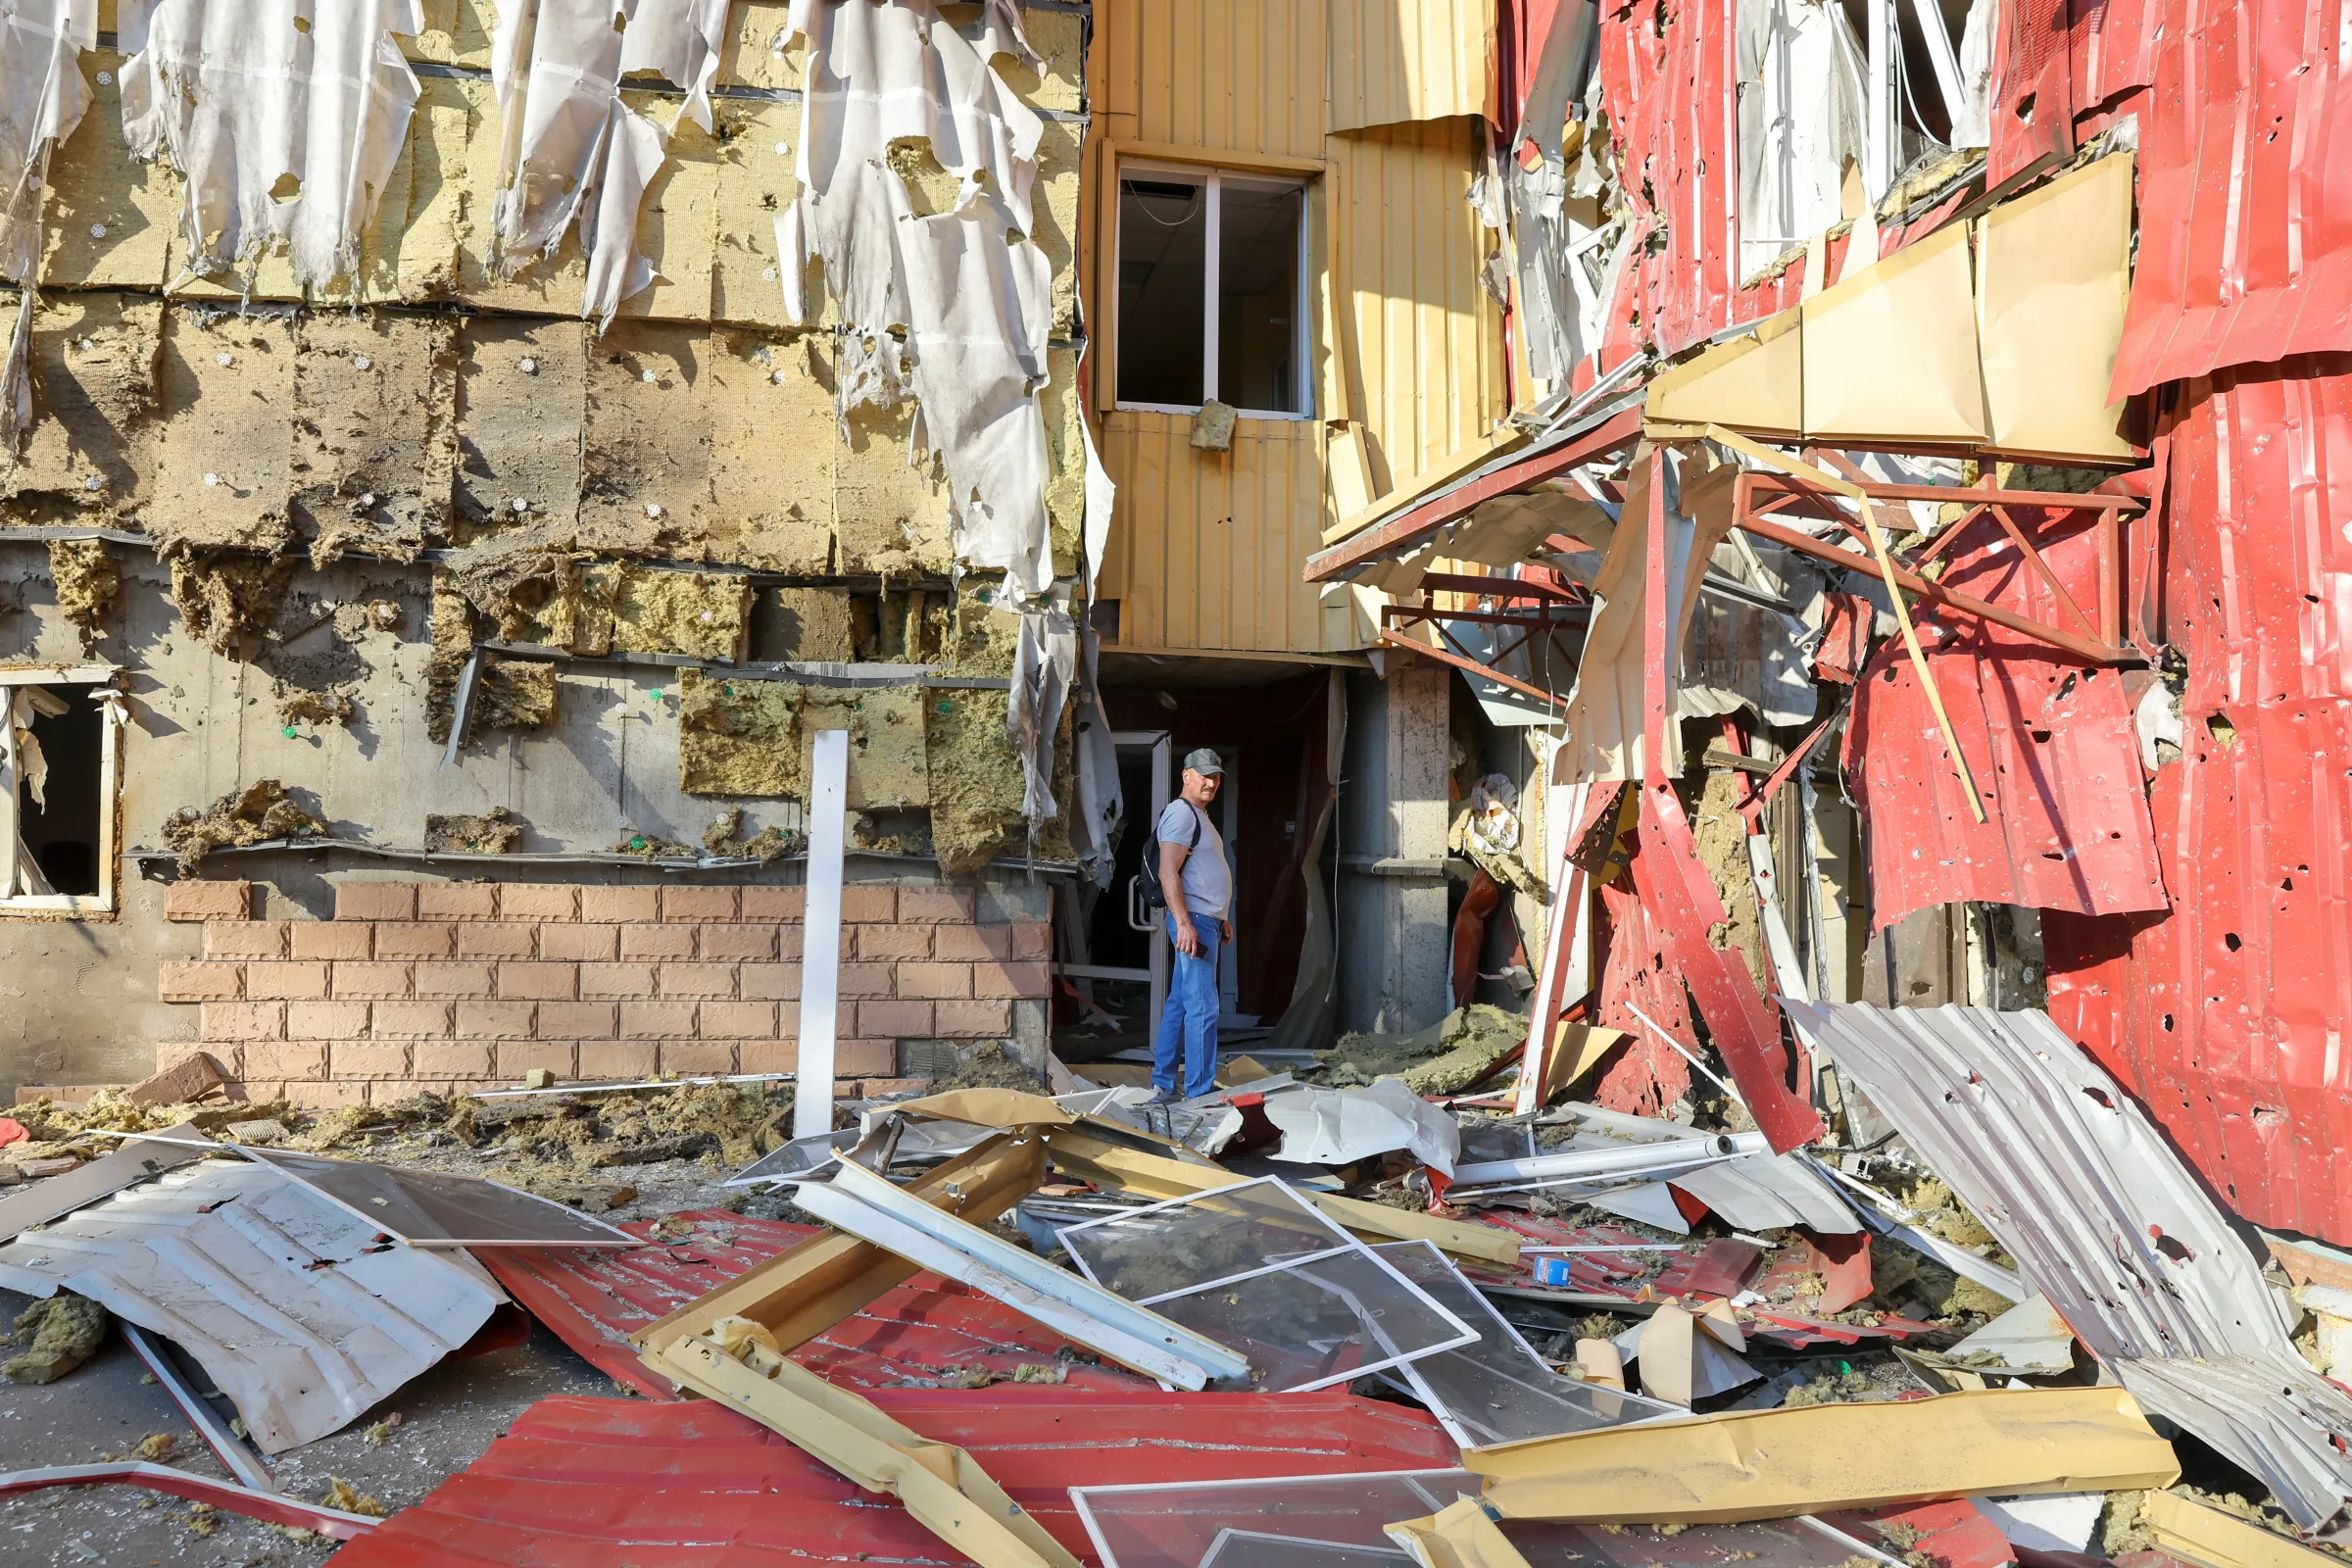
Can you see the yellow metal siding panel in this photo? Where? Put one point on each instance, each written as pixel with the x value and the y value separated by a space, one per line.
pixel 1426 338
pixel 1394 61
pixel 1210 546
pixel 1246 75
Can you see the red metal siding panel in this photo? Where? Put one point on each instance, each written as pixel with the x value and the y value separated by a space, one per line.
pixel 608 1483
pixel 924 1333
pixel 2229 1017
pixel 2049 743
pixel 2245 204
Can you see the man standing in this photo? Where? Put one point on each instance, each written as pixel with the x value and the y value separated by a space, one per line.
pixel 1197 883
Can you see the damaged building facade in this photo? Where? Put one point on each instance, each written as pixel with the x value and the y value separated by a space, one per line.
pixel 458 457
pixel 1662 509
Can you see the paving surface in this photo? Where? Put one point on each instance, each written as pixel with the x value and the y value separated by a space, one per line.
pixel 104 1407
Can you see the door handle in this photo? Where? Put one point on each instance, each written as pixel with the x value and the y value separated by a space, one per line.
pixel 1137 917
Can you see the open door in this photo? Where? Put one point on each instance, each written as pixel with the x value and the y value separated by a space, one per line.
pixel 1127 943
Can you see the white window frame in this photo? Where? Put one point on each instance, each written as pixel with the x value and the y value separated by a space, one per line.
pixel 1213 263
pixel 110 775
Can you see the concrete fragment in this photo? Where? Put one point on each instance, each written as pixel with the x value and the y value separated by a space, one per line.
pixel 180 1084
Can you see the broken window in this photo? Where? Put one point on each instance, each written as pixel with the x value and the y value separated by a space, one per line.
pixel 1213 292
pixel 58 772
pixel 1823 83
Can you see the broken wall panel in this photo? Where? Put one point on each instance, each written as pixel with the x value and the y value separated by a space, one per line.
pixel 2244 256
pixel 2226 1015
pixel 2050 743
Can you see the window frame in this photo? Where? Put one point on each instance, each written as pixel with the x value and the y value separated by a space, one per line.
pixel 1213 176
pixel 107 900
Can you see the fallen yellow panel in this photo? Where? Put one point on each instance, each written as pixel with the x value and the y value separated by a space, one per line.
pixel 990 1108
pixel 1461 1537
pixel 1754 382
pixel 2188 1529
pixel 1775 1464
pixel 2054 270
pixel 940 1483
pixel 1891 353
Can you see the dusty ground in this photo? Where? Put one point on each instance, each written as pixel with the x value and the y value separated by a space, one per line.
pixel 448 1416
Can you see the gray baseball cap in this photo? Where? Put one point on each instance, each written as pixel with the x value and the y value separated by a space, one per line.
pixel 1203 761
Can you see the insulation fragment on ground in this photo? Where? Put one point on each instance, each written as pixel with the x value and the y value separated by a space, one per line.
pixel 60 1333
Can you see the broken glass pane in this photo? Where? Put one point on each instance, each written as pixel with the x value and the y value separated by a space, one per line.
pixel 429 1208
pixel 1163 284
pixel 1341 1521
pixel 1498 1390
pixel 1181 1526
pixel 1257 1269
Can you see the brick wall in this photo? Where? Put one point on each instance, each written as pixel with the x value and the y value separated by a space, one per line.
pixel 437 985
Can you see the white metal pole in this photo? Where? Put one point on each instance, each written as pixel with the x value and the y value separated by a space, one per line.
pixel 1878 140
pixel 820 940
pixel 1213 264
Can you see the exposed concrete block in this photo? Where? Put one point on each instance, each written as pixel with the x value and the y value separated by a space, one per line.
pixel 328 1020
pixel 973 944
pixel 415 939
pixel 769 982
pixel 511 1058
pixel 657 1021
pixel 234 1022
pixel 285 1059
pixel 654 942
pixel 318 1094
pixel 781 905
pixel 860 980
pixel 935 981
pixel 767 1055
pixel 1032 939
pixel 374 980
pixel 456 900
pixel 497 1021
pixel 200 982
pixel 497 939
pixel 737 1020
pixel 867 1059
pixel 412 1021
pixel 733 944
pixel 920 904
pixel 447 1060
pixel 705 1057
pixel 895 1019
pixel 888 944
pixel 539 900
pixel 284 982
pixel 375 901
pixel 245 939
pixel 539 982
pixel 197 900
pixel 978 1019
pixel 695 979
pixel 579 944
pixel 468 978
pixel 368 1058
pixel 615 982
pixel 703 905
pixel 869 904
pixel 333 939
pixel 579 1020
pixel 617 905
pixel 1016 979
pixel 624 1060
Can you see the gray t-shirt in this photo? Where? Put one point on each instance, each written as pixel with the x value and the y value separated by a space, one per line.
pixel 1207 879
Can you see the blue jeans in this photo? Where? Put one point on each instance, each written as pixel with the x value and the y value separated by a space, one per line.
pixel 1188 1024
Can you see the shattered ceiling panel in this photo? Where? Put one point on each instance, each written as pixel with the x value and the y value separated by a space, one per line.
pixel 284 118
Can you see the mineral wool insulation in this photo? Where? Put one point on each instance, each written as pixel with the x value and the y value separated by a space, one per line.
pixel 572 151
pixel 283 116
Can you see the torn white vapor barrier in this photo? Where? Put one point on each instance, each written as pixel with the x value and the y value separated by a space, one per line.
pixel 969 288
pixel 42 99
pixel 284 118
pixel 1338 1126
pixel 296 1310
pixel 1043 663
pixel 1257 1269
pixel 571 151
pixel 2104 1220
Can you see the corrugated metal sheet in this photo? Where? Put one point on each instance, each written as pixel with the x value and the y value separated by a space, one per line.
pixel 1421 351
pixel 923 1333
pixel 2230 1018
pixel 2078 1186
pixel 2050 744
pixel 1242 75
pixel 2245 234
pixel 291 1305
pixel 1210 547
pixel 607 1483
pixel 2258 563
pixel 1399 60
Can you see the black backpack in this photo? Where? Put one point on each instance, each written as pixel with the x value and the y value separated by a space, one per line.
pixel 1155 897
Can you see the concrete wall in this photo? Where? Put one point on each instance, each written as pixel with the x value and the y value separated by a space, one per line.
pixel 1394 925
